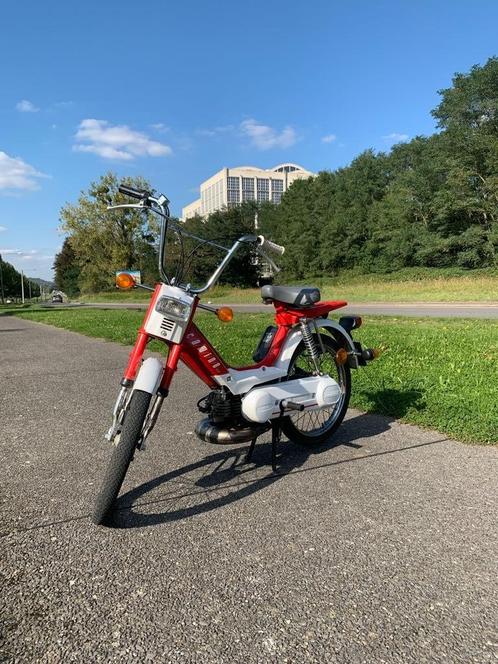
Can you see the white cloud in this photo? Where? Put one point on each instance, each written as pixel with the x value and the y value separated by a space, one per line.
pixel 329 138
pixel 215 131
pixel 17 252
pixel 264 137
pixel 34 262
pixel 116 142
pixel 17 174
pixel 63 104
pixel 160 127
pixel 25 106
pixel 396 138
pixel 3 228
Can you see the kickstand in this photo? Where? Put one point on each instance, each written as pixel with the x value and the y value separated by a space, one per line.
pixel 250 450
pixel 276 433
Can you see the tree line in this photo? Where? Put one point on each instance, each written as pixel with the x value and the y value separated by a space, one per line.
pixel 10 283
pixel 429 202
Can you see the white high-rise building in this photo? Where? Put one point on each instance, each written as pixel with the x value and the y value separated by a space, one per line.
pixel 232 186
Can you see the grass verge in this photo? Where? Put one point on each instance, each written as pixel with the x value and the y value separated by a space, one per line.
pixel 408 285
pixel 438 373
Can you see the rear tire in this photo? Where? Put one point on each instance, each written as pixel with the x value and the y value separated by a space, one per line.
pixel 292 425
pixel 122 454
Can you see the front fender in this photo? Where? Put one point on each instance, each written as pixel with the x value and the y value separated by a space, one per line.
pixel 295 337
pixel 149 376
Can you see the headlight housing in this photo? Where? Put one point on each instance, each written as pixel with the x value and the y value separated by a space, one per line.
pixel 169 306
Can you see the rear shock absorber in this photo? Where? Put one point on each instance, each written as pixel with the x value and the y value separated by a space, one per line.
pixel 310 344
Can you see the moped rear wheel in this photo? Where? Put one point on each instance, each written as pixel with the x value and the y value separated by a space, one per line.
pixel 314 427
pixel 122 455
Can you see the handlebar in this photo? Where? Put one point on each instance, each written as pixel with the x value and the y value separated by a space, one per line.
pixel 160 206
pixel 134 193
pixel 267 245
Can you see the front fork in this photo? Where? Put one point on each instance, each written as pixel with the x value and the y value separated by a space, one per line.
pixel 118 413
pixel 126 391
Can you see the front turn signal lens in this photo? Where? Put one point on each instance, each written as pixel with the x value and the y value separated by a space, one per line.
pixel 125 281
pixel 225 314
pixel 341 357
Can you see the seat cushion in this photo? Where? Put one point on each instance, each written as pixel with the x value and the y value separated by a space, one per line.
pixel 297 296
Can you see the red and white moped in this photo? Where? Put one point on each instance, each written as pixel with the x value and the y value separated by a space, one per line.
pixel 299 384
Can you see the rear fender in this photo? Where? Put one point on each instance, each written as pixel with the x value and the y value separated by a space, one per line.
pixel 332 327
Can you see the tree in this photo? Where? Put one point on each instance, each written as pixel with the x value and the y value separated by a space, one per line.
pixel 107 240
pixel 224 227
pixel 10 286
pixel 67 269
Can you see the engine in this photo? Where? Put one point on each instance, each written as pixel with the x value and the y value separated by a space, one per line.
pixel 225 423
pixel 232 419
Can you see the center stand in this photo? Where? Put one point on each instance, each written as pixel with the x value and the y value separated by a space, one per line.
pixel 276 432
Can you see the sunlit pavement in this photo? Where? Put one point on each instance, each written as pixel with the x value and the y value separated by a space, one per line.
pixel 380 547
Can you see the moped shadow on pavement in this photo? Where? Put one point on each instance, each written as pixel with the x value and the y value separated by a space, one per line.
pixel 223 478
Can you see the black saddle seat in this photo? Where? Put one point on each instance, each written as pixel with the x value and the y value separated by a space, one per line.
pixel 298 296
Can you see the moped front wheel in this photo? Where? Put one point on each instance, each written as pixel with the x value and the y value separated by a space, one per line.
pixel 121 457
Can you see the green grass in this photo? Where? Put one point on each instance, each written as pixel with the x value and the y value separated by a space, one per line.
pixel 407 285
pixel 438 373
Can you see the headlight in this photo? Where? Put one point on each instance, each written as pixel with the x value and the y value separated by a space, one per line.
pixel 168 306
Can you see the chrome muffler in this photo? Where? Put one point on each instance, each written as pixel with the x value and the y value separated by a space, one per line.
pixel 210 432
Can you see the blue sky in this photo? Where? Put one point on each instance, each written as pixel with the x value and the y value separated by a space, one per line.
pixel 176 91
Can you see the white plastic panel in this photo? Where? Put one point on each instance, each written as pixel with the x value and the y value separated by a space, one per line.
pixel 240 382
pixel 167 327
pixel 149 376
pixel 313 392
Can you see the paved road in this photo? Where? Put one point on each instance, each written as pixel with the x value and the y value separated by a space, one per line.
pixel 382 548
pixel 434 309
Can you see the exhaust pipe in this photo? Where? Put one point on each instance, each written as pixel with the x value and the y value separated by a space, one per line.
pixel 210 432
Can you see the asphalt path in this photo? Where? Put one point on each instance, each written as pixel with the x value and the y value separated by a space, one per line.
pixel 381 547
pixel 420 310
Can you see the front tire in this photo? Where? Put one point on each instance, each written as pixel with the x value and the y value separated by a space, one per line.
pixel 314 428
pixel 122 455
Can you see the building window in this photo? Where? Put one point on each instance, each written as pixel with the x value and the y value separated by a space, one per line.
pixel 233 190
pixel 247 189
pixel 287 169
pixel 277 189
pixel 263 189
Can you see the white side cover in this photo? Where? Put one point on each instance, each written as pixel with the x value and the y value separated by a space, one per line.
pixel 314 392
pixel 240 382
pixel 149 376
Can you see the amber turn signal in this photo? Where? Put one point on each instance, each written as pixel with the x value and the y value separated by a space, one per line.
pixel 341 357
pixel 125 281
pixel 225 314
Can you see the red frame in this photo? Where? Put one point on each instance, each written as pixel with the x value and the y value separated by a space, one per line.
pixel 197 353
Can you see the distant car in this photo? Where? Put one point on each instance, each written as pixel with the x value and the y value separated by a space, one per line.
pixel 56 299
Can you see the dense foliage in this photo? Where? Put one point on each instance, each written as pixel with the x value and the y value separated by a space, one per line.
pixel 67 270
pixel 430 202
pixel 10 283
pixel 101 241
